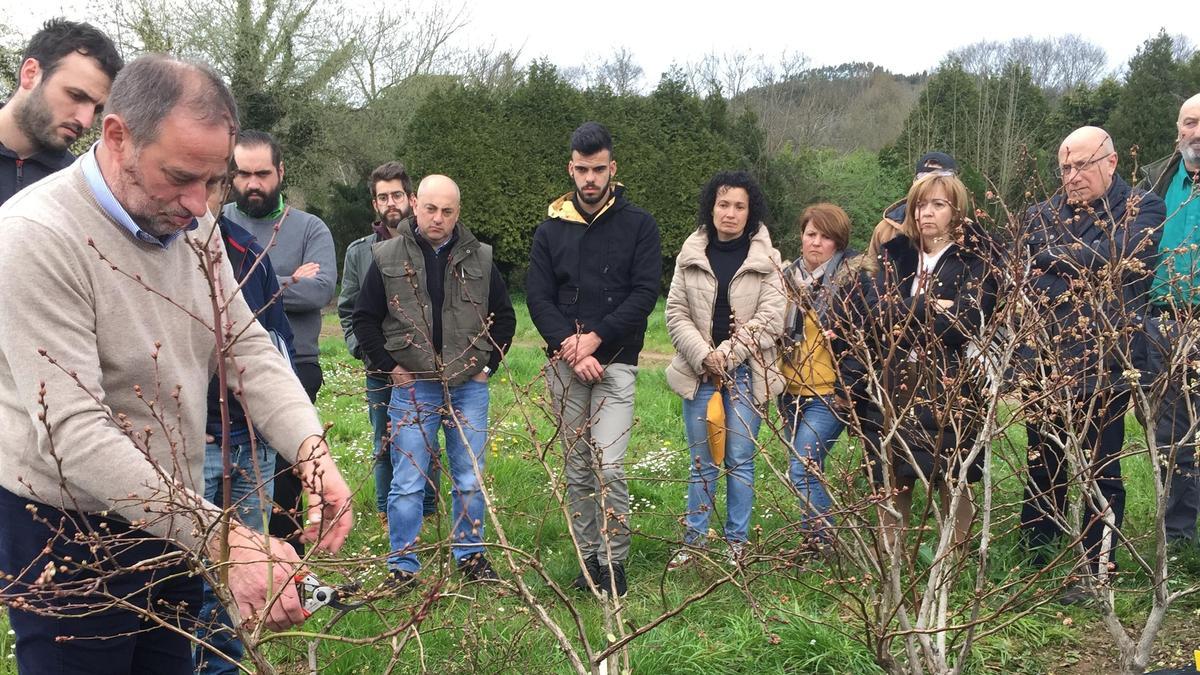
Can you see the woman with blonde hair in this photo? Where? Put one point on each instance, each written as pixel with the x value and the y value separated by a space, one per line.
pixel 930 297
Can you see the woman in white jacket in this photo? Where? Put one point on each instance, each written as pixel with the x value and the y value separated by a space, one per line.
pixel 724 316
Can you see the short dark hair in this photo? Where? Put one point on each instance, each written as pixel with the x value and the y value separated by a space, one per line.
pixel 722 181
pixel 590 138
pixel 253 138
pixel 59 37
pixel 153 85
pixel 390 171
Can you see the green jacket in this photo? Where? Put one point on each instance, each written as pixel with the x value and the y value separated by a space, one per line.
pixel 407 329
pixel 1154 173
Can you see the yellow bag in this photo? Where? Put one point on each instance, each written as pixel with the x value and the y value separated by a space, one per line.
pixel 715 418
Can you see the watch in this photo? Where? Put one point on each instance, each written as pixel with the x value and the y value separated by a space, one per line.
pixel 487 370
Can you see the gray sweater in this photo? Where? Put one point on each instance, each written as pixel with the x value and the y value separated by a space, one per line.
pixel 117 350
pixel 302 238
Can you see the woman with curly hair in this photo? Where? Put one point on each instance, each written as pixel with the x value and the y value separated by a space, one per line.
pixel 724 316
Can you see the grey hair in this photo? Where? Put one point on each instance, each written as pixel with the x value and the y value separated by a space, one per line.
pixel 147 90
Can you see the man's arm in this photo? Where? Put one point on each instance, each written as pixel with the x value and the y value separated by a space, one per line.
pixel 351 283
pixel 302 294
pixel 504 318
pixel 370 309
pixel 541 294
pixel 1135 237
pixel 645 281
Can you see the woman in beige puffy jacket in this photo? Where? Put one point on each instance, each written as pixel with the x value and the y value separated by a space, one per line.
pixel 724 315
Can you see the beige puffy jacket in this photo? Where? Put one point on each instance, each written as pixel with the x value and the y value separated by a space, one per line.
pixel 758 302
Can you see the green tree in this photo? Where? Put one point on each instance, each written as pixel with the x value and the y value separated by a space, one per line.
pixel 1145 113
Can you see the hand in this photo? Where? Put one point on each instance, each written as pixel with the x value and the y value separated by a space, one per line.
pixel 578 347
pixel 480 376
pixel 262 570
pixel 589 370
pixel 401 377
pixel 945 304
pixel 307 271
pixel 714 364
pixel 329 514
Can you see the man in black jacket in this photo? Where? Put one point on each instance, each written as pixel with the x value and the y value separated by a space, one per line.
pixel 434 313
pixel 594 277
pixel 1098 234
pixel 62 83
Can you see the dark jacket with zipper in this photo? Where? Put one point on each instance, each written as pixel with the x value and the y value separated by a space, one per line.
pixel 441 315
pixel 1077 246
pixel 918 347
pixel 260 289
pixel 1157 175
pixel 602 275
pixel 17 174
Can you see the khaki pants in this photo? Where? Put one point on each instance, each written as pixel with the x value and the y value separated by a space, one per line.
pixel 595 421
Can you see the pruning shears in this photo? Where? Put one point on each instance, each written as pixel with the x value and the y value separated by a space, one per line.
pixel 316 595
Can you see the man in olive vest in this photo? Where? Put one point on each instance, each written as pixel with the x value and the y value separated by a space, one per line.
pixel 434 312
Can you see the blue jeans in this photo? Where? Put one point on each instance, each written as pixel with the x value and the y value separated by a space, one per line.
pixel 92 634
pixel 813 427
pixel 379 394
pixel 741 444
pixel 417 412
pixel 250 487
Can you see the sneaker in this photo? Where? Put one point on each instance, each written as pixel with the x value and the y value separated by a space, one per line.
pixel 400 581
pixel 591 570
pixel 737 553
pixel 682 559
pixel 1075 593
pixel 613 579
pixel 477 568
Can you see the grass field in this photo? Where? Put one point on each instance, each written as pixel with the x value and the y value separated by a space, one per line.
pixel 790 627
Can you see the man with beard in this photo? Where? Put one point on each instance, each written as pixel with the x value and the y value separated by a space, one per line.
pixel 102 395
pixel 391 191
pixel 594 276
pixel 303 256
pixel 62 84
pixel 1176 298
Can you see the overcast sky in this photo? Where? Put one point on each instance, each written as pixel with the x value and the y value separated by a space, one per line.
pixel 659 33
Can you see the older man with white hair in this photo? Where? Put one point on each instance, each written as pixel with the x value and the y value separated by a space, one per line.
pixel 1176 297
pixel 1096 233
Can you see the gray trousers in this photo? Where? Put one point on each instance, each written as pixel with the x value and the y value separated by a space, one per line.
pixel 594 423
pixel 1175 429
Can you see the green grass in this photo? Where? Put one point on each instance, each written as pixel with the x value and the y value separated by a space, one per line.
pixel 789 628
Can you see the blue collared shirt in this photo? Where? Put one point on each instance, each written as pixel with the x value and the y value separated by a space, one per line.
pixel 108 202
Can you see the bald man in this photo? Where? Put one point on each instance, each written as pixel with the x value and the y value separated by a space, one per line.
pixel 433 311
pixel 1097 225
pixel 1176 298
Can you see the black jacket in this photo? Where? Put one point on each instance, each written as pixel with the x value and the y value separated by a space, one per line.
pixel 1070 244
pixel 17 173
pixel 602 276
pixel 909 339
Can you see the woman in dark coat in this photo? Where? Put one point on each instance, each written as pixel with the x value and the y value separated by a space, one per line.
pixel 911 377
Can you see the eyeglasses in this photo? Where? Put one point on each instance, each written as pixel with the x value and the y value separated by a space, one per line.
pixel 937 204
pixel 1067 170
pixel 936 172
pixel 384 197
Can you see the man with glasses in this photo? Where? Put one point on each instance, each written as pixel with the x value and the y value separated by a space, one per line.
pixel 1175 297
pixel 893 216
pixel 1092 249
pixel 390 190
